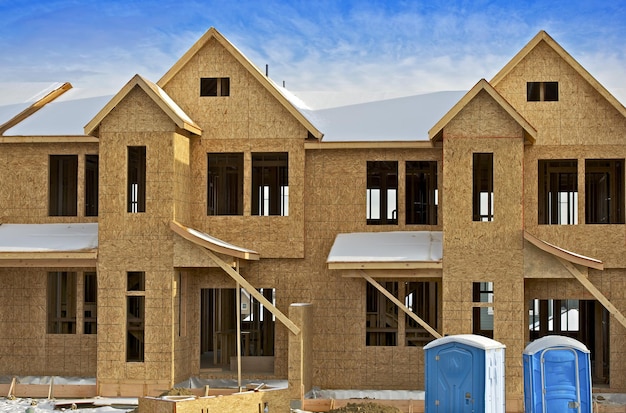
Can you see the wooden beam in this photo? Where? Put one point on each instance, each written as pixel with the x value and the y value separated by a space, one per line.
pixel 49 139
pixel 385 265
pixel 582 278
pixel 400 305
pixel 370 145
pixel 219 247
pixel 253 292
pixel 422 273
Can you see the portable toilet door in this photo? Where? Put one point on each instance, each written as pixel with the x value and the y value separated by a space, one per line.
pixel 557 376
pixel 461 372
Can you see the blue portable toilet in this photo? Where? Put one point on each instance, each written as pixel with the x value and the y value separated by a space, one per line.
pixel 557 376
pixel 464 373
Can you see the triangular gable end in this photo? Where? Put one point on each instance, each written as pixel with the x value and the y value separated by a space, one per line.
pixel 212 33
pixel 436 132
pixel 542 36
pixel 158 95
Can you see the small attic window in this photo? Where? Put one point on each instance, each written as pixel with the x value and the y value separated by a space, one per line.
pixel 215 86
pixel 542 91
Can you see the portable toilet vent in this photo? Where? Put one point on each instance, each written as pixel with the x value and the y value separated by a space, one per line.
pixel 464 373
pixel 557 376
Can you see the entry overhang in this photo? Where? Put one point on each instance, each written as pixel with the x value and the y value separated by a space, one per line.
pixel 396 250
pixel 49 245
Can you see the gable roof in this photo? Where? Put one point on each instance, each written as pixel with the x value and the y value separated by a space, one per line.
pixel 542 36
pixel 158 95
pixel 271 87
pixel 436 132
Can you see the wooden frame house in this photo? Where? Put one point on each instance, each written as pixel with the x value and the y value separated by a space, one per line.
pixel 172 238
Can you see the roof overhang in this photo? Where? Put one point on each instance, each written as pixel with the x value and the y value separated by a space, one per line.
pixel 397 250
pixel 211 243
pixel 49 245
pixel 563 253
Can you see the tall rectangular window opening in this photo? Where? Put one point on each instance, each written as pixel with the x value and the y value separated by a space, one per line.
pixel 482 191
pixel 558 192
pixel 482 312
pixel 381 316
pixel 90 303
pixel 422 196
pixel 542 91
pixel 423 299
pixel 136 179
pixel 270 184
pixel 604 191
pixel 61 303
pixel 91 185
pixel 382 192
pixel 215 86
pixel 135 316
pixel 225 184
pixel 63 185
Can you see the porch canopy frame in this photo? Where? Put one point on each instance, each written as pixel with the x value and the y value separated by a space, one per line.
pixel 396 254
pixel 67 245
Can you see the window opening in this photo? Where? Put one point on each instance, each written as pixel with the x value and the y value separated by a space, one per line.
pixel 482 193
pixel 382 192
pixel 61 303
pixel 63 185
pixel 135 316
pixel 421 193
pixel 270 184
pixel 482 316
pixel 214 86
pixel 423 299
pixel 90 303
pixel 604 191
pixel 91 185
pixel 558 192
pixel 382 316
pixel 136 179
pixel 225 184
pixel 542 91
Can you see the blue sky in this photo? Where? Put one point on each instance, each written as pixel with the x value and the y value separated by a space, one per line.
pixel 352 47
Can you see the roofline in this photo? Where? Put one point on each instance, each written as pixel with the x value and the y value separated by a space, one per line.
pixel 35 107
pixel 49 139
pixel 564 254
pixel 369 145
pixel 436 132
pixel 543 36
pixel 154 92
pixel 213 33
pixel 185 232
pixel 74 259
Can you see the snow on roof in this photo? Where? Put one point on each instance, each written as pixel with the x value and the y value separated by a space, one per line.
pixel 65 116
pixel 397 246
pixel 48 237
pixel 206 237
pixel 468 339
pixel 16 97
pixel 554 342
pixel 400 119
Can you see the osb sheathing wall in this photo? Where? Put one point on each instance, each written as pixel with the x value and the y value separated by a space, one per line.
pixel 485 251
pixel 336 203
pixel 26 349
pixel 24 170
pixel 136 242
pixel 249 120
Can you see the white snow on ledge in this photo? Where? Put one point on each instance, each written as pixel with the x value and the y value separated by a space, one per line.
pixel 396 246
pixel 48 237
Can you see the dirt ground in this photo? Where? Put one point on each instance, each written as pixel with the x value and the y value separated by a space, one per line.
pixel 365 408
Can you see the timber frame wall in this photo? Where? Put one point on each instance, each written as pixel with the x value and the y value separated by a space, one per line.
pixel 327 186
